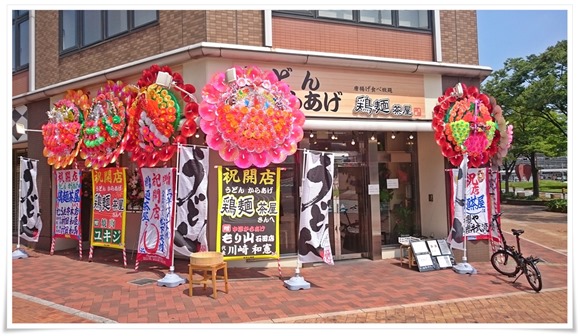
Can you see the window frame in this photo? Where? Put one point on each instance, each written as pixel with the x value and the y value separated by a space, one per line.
pixel 79 23
pixel 18 19
pixel 313 15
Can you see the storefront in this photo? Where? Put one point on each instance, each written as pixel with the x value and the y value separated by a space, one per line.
pixel 389 173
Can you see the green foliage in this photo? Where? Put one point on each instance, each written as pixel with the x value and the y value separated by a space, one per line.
pixel 386 195
pixel 533 94
pixel 403 220
pixel 545 185
pixel 557 205
pixel 506 195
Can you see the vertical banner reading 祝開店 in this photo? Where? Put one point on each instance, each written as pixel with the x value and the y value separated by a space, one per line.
pixel 248 212
pixel 476 202
pixel 67 219
pixel 156 233
pixel 108 227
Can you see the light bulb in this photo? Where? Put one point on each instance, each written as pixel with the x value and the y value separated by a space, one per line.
pixel 393 136
pixel 411 136
pixel 373 137
pixel 352 142
pixel 311 134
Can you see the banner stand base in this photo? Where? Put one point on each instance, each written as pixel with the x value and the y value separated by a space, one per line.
pixel 296 282
pixel 19 254
pixel 464 267
pixel 171 280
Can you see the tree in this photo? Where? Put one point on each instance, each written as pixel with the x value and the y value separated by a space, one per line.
pixel 533 93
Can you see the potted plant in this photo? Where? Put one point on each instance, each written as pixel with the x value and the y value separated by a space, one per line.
pixel 403 220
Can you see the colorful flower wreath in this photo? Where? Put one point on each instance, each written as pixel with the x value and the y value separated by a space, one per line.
pixel 505 131
pixel 253 120
pixel 157 121
pixel 465 125
pixel 62 132
pixel 104 130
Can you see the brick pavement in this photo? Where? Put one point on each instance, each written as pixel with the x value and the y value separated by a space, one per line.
pixel 360 291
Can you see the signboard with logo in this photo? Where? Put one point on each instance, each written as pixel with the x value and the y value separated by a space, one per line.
pixel 325 92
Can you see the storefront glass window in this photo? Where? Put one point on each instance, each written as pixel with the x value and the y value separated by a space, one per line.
pixel 398 185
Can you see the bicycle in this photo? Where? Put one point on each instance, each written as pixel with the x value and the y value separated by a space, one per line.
pixel 509 260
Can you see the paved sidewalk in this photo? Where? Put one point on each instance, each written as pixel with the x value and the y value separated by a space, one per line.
pixel 65 289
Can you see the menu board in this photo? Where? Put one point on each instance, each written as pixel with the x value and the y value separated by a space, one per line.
pixel 248 212
pixel 444 247
pixel 434 247
pixel 432 254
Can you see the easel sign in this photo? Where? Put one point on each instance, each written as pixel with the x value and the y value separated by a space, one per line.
pixel 422 256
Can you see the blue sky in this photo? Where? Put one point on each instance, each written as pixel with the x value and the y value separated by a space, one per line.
pixel 504 34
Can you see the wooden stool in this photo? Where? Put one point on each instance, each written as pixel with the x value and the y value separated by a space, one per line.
pixel 406 255
pixel 214 268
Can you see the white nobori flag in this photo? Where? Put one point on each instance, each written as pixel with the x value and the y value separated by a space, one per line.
pixel 191 222
pixel 457 232
pixel 30 222
pixel 313 238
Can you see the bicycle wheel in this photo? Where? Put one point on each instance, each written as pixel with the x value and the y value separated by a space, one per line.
pixel 505 263
pixel 533 275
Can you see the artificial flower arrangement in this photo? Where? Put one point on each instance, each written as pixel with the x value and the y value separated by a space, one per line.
pixel 254 120
pixel 157 121
pixel 135 194
pixel 505 131
pixel 465 124
pixel 62 133
pixel 105 124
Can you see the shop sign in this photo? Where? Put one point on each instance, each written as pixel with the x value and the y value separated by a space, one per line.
pixel 248 212
pixel 336 93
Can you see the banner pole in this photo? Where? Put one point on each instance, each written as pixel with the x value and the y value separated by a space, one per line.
pixel 18 253
pixel 464 267
pixel 171 279
pixel 297 282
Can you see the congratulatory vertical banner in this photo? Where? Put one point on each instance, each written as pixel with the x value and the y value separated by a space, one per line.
pixel 248 218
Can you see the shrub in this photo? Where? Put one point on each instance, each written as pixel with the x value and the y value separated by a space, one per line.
pixel 508 194
pixel 557 205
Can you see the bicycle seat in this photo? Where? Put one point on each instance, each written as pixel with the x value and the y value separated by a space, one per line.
pixel 517 232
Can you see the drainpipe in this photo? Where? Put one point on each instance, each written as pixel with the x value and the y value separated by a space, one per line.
pixel 268 28
pixel 32 51
pixel 437 35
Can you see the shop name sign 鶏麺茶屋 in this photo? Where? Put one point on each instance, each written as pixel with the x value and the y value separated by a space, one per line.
pixel 348 93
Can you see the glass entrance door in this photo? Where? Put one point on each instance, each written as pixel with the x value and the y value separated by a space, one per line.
pixel 347 218
pixel 348 221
